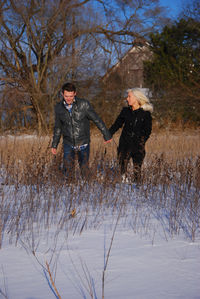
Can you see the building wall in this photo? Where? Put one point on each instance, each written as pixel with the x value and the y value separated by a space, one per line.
pixel 128 72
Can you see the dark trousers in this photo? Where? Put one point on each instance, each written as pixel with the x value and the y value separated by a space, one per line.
pixel 70 155
pixel 137 158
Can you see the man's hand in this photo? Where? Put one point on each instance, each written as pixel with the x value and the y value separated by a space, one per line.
pixel 54 151
pixel 108 141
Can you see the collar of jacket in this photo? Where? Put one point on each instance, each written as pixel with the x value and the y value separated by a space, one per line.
pixel 130 107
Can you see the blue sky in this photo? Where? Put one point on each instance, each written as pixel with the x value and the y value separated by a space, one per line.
pixel 174 6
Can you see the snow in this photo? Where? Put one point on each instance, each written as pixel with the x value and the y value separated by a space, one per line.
pixel 146 259
pixel 136 269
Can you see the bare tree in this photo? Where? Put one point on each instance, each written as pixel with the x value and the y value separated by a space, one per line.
pixel 44 43
pixel 190 9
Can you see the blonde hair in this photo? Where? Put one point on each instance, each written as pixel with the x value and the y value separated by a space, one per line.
pixel 143 101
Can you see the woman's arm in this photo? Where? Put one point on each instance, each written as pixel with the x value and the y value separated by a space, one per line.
pixel 147 126
pixel 118 123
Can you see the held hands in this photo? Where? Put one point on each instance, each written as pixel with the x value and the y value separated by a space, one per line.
pixel 54 151
pixel 108 141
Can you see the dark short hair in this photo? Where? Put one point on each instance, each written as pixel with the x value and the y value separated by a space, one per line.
pixel 68 87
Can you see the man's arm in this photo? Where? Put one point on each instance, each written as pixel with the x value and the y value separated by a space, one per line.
pixel 57 134
pixel 98 122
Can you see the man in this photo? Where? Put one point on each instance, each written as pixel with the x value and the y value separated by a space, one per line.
pixel 72 121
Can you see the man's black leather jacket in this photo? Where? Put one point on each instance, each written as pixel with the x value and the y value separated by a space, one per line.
pixel 75 126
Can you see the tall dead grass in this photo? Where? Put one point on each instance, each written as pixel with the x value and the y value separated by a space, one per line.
pixel 37 203
pixel 35 194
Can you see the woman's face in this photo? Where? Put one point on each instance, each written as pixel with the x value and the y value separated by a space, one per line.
pixel 132 100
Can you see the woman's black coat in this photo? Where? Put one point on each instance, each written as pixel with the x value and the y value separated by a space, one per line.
pixel 137 126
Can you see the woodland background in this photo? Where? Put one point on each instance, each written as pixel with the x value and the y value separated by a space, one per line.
pixel 45 43
pixel 49 227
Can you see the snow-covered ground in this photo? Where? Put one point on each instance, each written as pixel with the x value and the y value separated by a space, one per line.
pixel 146 260
pixel 136 269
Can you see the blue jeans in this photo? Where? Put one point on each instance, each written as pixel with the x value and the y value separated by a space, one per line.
pixel 69 160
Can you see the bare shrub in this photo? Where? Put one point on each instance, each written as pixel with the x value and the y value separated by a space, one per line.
pixel 37 203
pixel 35 194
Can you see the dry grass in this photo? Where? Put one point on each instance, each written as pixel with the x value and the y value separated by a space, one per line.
pixel 174 145
pixel 29 161
pixel 34 190
pixel 36 197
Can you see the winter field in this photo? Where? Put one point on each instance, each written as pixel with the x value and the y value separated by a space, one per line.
pixel 101 238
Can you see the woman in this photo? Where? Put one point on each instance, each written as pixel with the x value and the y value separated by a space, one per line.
pixel 137 125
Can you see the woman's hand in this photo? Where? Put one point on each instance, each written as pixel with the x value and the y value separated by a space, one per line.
pixel 108 141
pixel 54 151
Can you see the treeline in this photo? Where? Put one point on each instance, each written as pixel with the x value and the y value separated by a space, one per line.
pixel 173 74
pixel 43 44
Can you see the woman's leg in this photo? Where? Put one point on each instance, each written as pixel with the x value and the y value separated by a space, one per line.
pixel 123 158
pixel 138 159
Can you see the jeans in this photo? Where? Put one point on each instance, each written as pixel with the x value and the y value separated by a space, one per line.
pixel 69 161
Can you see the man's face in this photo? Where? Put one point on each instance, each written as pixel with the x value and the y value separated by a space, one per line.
pixel 69 96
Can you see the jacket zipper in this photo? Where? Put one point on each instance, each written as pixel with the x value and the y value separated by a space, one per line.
pixel 70 115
